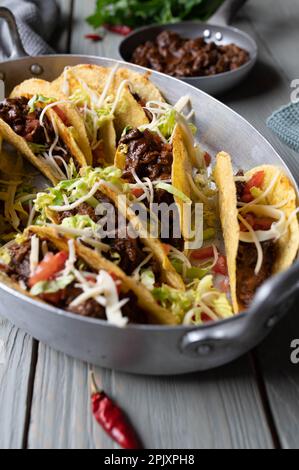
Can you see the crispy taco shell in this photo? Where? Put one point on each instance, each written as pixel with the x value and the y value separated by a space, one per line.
pixel 287 245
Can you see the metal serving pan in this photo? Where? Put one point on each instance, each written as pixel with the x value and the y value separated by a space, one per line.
pixel 155 349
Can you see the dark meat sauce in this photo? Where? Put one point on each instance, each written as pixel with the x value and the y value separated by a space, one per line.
pixel 15 112
pixel 150 157
pixel 129 249
pixel 180 57
pixel 19 270
pixel 247 281
pixel 147 155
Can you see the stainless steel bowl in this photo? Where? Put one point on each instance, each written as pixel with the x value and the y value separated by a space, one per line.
pixel 216 30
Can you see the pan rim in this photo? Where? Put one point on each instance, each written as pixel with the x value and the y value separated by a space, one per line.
pixel 156 328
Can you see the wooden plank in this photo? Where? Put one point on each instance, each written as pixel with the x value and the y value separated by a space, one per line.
pixel 15 382
pixel 212 410
pixel 277 33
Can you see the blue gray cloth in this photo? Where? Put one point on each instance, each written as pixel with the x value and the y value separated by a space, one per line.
pixel 36 19
pixel 285 124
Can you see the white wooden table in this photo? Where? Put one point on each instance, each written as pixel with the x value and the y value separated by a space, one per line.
pixel 252 403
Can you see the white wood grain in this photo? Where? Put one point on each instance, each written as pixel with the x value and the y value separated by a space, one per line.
pixel 14 382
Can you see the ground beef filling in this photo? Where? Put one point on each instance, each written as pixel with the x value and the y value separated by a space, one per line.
pixel 147 155
pixel 130 250
pixel 19 270
pixel 247 281
pixel 15 112
pixel 180 57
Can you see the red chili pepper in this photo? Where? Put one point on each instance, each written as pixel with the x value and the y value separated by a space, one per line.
pixel 118 29
pixel 207 158
pixel 94 37
pixel 112 419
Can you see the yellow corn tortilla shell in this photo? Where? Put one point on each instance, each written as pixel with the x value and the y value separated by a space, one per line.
pixel 224 179
pixel 181 168
pixel 128 111
pixel 145 300
pixel 288 244
pixel 96 77
pixel 36 86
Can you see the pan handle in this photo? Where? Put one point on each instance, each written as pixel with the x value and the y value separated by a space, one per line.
pixel 226 12
pixel 17 46
pixel 272 302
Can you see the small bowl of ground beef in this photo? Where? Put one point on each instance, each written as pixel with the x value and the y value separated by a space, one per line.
pixel 213 58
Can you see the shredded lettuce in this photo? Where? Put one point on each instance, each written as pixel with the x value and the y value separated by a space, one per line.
pixel 37 148
pixel 79 222
pixel 147 278
pixel 52 286
pixel 201 296
pixel 75 188
pixel 39 99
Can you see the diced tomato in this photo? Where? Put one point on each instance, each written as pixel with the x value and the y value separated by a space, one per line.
pixel 137 192
pixel 207 158
pixel 117 281
pixel 256 181
pixel 53 298
pixel 205 318
pixel 221 265
pixel 224 285
pixel 48 267
pixel 90 279
pixel 166 248
pixel 62 115
pixel 257 223
pixel 247 198
pixel 203 253
pixel 263 223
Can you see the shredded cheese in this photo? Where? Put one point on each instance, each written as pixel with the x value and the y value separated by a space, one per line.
pixel 34 254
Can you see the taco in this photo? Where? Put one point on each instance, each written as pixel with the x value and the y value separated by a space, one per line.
pixel 35 127
pixel 106 103
pixel 63 273
pixel 260 226
pixel 65 109
pixel 95 209
pixel 166 165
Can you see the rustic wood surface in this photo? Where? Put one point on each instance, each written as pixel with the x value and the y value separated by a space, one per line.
pixel 252 403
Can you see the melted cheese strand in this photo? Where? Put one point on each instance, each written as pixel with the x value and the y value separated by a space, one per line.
pixel 34 254
pixel 257 244
pixel 107 85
